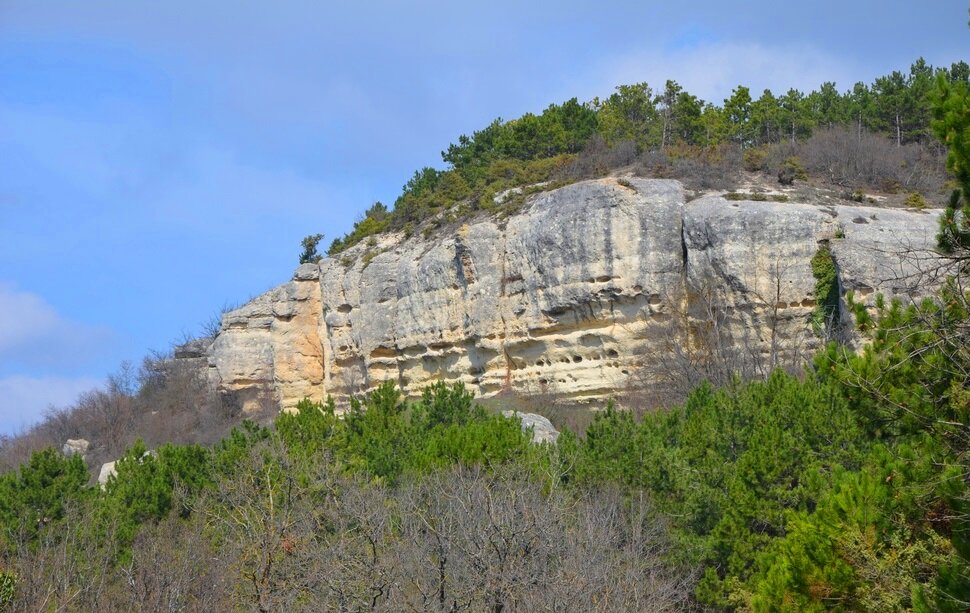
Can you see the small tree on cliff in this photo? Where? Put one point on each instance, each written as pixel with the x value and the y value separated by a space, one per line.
pixel 309 243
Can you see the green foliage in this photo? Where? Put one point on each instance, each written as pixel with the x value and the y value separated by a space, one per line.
pixel 376 219
pixel 728 465
pixel 559 129
pixel 915 200
pixel 144 484
pixel 951 123
pixel 309 244
pixel 535 148
pixel 233 449
pixel 629 114
pixel 909 387
pixel 8 586
pixel 37 495
pixel 308 430
pixel 376 438
pixel 866 545
pixel 737 110
pixel 755 159
pixel 826 290
pixel 387 438
pixel 791 169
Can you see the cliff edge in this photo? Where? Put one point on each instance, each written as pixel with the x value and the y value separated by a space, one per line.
pixel 569 296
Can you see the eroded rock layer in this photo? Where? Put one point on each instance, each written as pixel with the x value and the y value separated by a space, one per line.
pixel 566 297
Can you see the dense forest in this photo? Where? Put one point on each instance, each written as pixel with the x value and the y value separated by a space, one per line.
pixel 882 131
pixel 845 487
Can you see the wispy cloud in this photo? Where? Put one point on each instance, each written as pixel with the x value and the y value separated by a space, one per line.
pixel 34 335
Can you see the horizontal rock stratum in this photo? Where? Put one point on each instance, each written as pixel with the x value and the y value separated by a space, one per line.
pixel 569 296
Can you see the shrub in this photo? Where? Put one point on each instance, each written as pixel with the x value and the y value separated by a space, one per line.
pixel 915 200
pixel 826 290
pixel 867 161
pixel 309 244
pixel 791 169
pixel 8 584
pixel 598 158
pixel 855 196
pixel 755 159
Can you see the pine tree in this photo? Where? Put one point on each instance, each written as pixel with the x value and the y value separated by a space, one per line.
pixel 737 110
pixel 951 123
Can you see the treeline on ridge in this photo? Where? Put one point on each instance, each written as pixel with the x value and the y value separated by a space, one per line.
pixel 875 135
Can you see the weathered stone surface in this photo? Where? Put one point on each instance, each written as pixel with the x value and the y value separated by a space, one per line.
pixel 107 470
pixel 197 348
pixel 75 446
pixel 560 298
pixel 271 345
pixel 542 429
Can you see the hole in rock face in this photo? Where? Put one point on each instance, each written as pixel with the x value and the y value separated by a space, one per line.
pixel 344 308
pixel 625 372
pixel 577 359
pixel 543 381
pixel 612 353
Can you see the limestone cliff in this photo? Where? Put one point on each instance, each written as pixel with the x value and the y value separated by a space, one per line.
pixel 563 297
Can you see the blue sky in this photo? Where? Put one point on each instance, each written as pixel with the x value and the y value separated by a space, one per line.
pixel 160 160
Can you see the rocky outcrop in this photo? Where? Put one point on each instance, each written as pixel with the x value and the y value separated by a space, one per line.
pixel 563 297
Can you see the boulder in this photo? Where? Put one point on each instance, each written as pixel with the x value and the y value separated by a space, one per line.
pixel 75 446
pixel 107 470
pixel 542 429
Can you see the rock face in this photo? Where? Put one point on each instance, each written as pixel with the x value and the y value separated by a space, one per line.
pixel 564 297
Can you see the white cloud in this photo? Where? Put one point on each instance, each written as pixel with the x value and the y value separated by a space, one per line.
pixel 33 334
pixel 23 317
pixel 23 399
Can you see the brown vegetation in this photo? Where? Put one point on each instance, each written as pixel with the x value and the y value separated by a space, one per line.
pixel 164 401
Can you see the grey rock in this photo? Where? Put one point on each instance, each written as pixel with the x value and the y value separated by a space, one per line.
pixel 196 348
pixel 107 471
pixel 542 429
pixel 75 446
